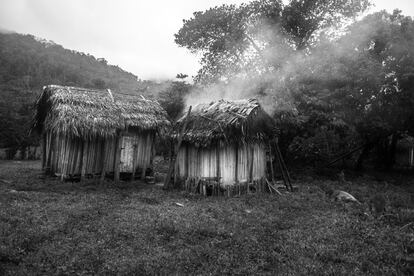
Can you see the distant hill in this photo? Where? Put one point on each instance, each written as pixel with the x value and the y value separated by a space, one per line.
pixel 30 63
pixel 27 63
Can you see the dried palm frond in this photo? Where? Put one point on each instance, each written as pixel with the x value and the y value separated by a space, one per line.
pixel 87 112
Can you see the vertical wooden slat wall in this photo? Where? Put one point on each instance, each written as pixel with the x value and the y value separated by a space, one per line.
pixel 43 150
pixel 227 162
pixel 243 167
pixel 126 156
pixel 208 165
pixel 259 161
pixel 181 161
pixel 110 154
pixel 221 161
pixel 65 154
pixel 193 164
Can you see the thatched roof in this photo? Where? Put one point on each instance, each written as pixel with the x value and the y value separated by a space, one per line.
pixel 228 121
pixel 87 112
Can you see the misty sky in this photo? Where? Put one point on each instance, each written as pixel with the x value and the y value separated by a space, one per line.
pixel 136 35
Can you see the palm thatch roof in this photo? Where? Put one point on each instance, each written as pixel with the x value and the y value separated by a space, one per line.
pixel 228 121
pixel 86 112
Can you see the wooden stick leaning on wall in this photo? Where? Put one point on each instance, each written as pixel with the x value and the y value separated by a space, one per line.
pixel 283 168
pixel 173 157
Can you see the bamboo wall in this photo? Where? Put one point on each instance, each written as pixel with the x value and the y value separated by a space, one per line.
pixel 220 161
pixel 69 155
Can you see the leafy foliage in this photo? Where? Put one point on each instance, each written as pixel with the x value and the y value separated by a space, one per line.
pixel 364 79
pixel 172 98
pixel 258 36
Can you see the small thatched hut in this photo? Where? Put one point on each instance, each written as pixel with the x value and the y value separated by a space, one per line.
pixel 225 143
pixel 90 132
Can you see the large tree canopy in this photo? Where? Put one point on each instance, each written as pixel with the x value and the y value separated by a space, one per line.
pixel 259 36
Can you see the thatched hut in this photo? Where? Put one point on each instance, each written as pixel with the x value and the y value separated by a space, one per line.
pixel 225 143
pixel 90 132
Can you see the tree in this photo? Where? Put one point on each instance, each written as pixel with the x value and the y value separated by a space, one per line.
pixel 364 79
pixel 172 98
pixel 260 36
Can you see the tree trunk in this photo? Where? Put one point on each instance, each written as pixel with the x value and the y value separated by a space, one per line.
pixel 176 149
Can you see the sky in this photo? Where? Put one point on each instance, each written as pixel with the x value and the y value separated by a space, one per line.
pixel 136 35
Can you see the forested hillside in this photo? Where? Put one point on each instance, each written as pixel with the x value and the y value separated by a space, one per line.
pixel 28 63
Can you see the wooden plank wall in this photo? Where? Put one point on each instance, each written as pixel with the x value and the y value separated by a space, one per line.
pixel 243 160
pixel 196 162
pixel 182 169
pixel 227 164
pixel 193 162
pixel 259 161
pixel 143 152
pixel 64 154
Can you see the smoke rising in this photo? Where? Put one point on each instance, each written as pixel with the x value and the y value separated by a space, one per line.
pixel 274 73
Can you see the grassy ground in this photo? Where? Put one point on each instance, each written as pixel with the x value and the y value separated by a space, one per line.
pixel 49 227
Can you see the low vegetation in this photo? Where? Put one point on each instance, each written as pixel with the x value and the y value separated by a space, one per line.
pixel 49 227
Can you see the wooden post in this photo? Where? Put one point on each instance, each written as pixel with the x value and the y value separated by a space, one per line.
pixel 251 163
pixel 236 169
pixel 55 151
pixel 104 161
pixel 49 152
pixel 176 172
pixel 44 156
pixel 174 155
pixel 117 162
pixel 218 168
pixel 134 161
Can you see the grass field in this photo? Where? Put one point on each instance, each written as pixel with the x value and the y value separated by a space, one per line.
pixel 48 228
